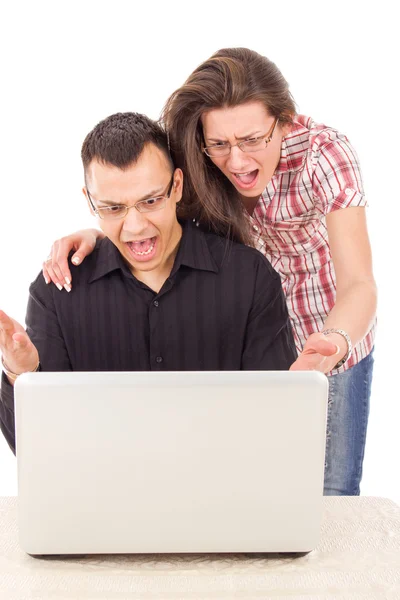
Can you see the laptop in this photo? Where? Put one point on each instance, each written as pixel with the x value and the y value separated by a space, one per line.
pixel 170 462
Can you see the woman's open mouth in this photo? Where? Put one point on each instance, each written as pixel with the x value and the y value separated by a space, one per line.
pixel 245 181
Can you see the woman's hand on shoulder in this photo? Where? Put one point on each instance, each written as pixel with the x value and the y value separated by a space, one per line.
pixel 55 267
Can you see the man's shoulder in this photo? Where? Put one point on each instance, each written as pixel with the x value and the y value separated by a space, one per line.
pixel 229 254
pixel 100 252
pixel 81 273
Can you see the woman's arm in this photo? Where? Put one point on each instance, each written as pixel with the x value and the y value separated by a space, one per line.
pixel 55 267
pixel 356 294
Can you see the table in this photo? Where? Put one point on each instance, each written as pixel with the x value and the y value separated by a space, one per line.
pixel 358 557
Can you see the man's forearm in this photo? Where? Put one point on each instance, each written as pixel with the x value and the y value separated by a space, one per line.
pixel 7 419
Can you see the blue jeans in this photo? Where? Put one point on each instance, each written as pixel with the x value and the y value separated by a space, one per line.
pixel 348 410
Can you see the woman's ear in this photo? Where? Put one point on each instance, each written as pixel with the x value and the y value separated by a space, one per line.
pixel 286 127
pixel 177 187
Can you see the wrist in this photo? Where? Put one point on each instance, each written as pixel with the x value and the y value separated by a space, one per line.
pixel 11 375
pixel 339 341
pixel 342 339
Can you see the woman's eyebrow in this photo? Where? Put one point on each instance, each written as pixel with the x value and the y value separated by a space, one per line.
pixel 249 135
pixel 244 137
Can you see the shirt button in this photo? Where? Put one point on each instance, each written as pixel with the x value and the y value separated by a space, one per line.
pixel 348 191
pixel 255 228
pixel 155 303
pixel 159 359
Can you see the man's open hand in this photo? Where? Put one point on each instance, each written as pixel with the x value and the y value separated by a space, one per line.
pixel 19 354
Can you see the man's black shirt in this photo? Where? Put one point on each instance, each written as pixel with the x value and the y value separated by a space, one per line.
pixel 221 308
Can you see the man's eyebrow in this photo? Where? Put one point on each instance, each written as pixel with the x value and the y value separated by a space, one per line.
pixel 155 192
pixel 244 137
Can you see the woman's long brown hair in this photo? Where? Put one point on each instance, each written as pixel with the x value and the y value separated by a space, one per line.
pixel 230 77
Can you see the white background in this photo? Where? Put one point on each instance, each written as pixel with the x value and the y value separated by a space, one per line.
pixel 65 66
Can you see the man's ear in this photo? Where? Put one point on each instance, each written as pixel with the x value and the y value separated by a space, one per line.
pixel 84 190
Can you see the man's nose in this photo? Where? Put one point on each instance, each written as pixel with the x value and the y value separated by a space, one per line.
pixel 135 221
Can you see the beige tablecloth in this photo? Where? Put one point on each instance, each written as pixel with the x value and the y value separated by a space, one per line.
pixel 358 558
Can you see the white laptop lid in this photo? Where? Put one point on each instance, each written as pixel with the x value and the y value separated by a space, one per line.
pixel 170 462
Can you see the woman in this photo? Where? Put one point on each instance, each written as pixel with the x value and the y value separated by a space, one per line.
pixel 260 174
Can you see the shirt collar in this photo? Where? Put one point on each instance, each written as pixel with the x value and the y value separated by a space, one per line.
pixel 193 252
pixel 108 259
pixel 295 146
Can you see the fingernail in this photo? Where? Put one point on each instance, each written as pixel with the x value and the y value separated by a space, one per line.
pixel 67 281
pixel 59 286
pixel 76 260
pixel 66 287
pixel 47 280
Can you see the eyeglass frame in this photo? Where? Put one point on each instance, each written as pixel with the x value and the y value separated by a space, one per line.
pixel 239 144
pixel 127 208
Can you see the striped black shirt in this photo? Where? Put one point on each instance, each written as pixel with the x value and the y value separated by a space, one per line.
pixel 221 308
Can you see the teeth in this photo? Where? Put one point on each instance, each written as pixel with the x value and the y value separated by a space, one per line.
pixel 147 251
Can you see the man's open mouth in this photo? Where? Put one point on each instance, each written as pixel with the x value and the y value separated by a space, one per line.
pixel 143 248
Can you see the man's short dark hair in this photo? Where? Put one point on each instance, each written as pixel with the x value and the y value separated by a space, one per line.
pixel 119 140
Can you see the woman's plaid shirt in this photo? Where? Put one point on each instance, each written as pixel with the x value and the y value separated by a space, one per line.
pixel 318 172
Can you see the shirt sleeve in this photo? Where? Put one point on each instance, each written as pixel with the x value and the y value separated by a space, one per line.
pixel 44 330
pixel 269 343
pixel 337 177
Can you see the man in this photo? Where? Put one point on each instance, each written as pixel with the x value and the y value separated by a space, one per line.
pixel 156 294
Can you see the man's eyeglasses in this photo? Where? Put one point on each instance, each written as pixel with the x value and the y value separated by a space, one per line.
pixel 249 145
pixel 119 211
